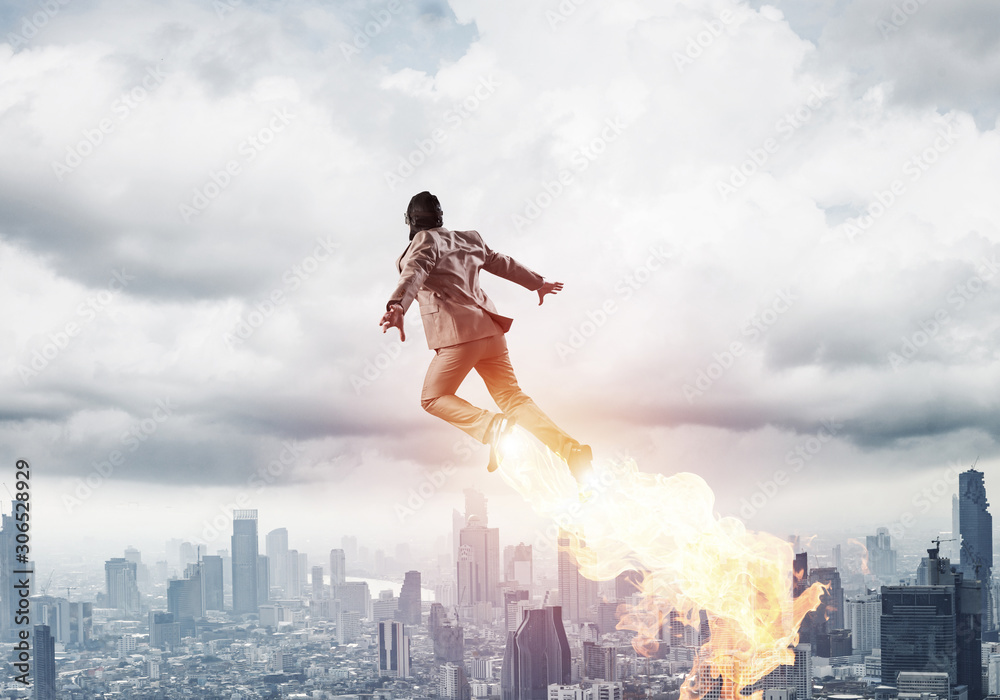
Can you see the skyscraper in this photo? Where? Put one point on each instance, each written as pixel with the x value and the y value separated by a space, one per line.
pixel 577 594
pixel 244 543
pixel 918 631
pixel 479 581
pixel 536 655
pixel 316 583
pixel 293 576
pixel 976 529
pixel 863 616
pixel 45 663
pixel 517 566
pixel 121 585
pixel 276 548
pixel 338 567
pixel 212 582
pixel 263 579
pixel 393 650
pixel 409 599
pixel 453 684
pixel 881 555
pixel 934 628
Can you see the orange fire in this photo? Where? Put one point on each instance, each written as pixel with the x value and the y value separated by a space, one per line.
pixel 691 560
pixel 864 553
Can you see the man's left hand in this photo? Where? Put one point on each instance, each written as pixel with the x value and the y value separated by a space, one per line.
pixel 548 288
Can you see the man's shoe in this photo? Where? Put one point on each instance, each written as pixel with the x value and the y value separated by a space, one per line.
pixel 500 426
pixel 579 462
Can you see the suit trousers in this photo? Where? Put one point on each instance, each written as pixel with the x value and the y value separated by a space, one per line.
pixel 489 357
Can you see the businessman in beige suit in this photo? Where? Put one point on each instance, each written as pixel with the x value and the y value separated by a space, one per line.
pixel 440 269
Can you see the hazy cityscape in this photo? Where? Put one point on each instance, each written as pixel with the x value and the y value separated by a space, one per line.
pixel 476 616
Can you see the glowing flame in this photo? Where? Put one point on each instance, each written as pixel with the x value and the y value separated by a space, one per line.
pixel 864 553
pixel 691 560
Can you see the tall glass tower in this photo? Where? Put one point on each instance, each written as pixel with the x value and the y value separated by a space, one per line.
pixel 976 528
pixel 245 561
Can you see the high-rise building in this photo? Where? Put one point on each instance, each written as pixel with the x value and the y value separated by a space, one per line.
pixel 184 601
pixel 348 626
pixel 536 656
pixel 832 601
pixel 514 605
pixel 263 579
pixel 935 628
pixel 354 596
pixel 409 599
pixel 976 530
pixel 453 684
pixel 276 548
pixel 863 616
pixel 338 567
pixel 121 585
pixel 385 606
pixel 517 566
pixel 479 577
pixel 45 663
pixel 212 582
pixel 316 584
pixel 164 630
pixel 577 594
pixel 393 650
pixel 293 577
pixel 798 676
pixel 918 631
pixel 244 543
pixel 881 555
pixel 599 663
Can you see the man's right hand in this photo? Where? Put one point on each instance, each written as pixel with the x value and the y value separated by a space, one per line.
pixel 548 288
pixel 393 318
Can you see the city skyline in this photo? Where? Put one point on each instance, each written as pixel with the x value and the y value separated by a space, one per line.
pixel 789 290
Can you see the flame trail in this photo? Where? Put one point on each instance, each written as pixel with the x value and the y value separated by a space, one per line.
pixel 691 560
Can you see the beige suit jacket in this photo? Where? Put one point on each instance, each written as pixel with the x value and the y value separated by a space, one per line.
pixel 440 269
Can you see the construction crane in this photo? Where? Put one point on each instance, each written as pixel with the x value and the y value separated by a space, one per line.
pixel 45 588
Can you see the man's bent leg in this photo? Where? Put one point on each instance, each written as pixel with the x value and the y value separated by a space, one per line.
pixel 446 373
pixel 497 372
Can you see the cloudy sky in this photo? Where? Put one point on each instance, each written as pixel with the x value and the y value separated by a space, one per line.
pixel 773 223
